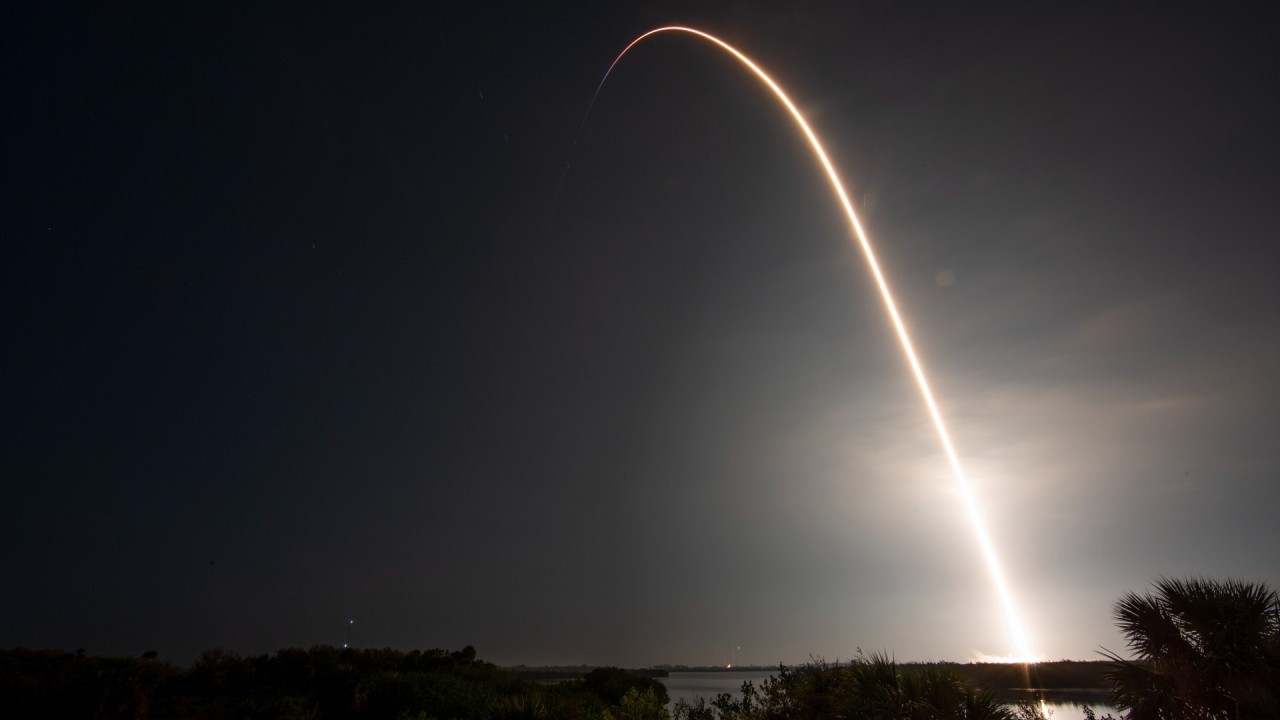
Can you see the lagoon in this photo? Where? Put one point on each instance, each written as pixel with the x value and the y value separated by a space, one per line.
pixel 688 686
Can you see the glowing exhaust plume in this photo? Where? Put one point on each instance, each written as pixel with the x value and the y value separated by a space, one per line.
pixel 1017 634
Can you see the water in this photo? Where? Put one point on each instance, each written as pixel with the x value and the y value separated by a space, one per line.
pixel 688 686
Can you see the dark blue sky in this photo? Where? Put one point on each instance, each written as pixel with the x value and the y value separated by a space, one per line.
pixel 305 320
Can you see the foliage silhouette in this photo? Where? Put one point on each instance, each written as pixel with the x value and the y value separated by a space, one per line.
pixel 871 687
pixel 611 685
pixel 323 682
pixel 1205 649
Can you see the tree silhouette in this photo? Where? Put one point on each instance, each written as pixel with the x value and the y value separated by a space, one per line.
pixel 1205 649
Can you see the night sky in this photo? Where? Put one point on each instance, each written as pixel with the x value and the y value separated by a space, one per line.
pixel 315 314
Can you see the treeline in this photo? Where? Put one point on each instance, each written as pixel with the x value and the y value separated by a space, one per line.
pixel 574 672
pixel 323 682
pixel 1059 675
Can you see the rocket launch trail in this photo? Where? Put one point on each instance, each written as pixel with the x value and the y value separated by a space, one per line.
pixel 1013 623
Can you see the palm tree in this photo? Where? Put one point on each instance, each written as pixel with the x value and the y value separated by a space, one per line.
pixel 1204 649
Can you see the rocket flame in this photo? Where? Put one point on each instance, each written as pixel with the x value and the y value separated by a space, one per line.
pixel 1013 623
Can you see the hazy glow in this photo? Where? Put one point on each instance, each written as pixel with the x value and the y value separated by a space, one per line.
pixel 982 657
pixel 1013 623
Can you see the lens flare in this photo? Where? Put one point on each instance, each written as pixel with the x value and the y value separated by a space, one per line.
pixel 1013 623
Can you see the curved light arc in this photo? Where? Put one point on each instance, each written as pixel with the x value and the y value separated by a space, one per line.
pixel 1017 633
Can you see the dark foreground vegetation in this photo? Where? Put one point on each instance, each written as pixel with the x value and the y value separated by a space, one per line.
pixel 1202 650
pixel 871 687
pixel 323 682
pixel 327 682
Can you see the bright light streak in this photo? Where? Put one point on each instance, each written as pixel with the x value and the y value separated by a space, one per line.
pixel 1013 622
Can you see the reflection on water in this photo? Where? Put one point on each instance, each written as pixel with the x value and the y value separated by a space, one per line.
pixel 1067 704
pixel 1069 710
pixel 688 686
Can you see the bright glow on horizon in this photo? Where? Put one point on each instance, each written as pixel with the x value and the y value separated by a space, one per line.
pixel 981 657
pixel 1013 622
